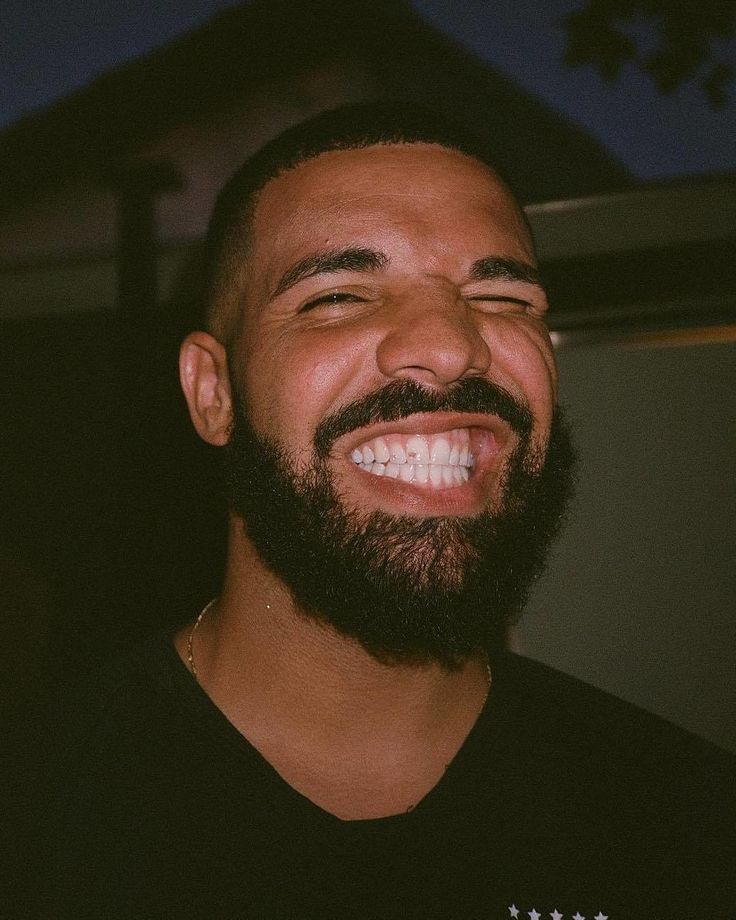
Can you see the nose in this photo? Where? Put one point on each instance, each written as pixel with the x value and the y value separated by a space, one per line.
pixel 433 340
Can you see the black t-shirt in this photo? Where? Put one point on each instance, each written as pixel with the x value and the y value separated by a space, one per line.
pixel 142 801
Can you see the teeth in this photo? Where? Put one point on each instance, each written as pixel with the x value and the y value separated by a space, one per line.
pixel 421 473
pixel 398 454
pixel 437 461
pixel 436 475
pixel 441 451
pixel 393 470
pixel 417 450
pixel 381 451
pixel 406 471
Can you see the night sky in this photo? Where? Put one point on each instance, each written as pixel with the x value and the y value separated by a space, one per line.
pixel 52 47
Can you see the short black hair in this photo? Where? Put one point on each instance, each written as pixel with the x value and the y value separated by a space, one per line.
pixel 347 128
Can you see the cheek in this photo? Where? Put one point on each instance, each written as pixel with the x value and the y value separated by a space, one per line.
pixel 523 354
pixel 544 377
pixel 295 380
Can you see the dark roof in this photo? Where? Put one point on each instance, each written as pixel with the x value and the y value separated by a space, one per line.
pixel 209 69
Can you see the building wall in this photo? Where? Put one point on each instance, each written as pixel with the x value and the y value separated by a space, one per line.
pixel 65 239
pixel 639 596
pixel 76 218
pixel 271 108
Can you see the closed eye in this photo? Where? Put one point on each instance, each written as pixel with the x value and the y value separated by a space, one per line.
pixel 501 299
pixel 336 297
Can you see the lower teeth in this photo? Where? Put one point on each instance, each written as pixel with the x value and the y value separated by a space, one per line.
pixel 434 473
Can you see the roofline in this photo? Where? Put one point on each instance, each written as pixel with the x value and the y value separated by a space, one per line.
pixel 125 110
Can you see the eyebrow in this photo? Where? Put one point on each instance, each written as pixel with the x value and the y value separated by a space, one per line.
pixel 491 269
pixel 361 259
pixel 335 260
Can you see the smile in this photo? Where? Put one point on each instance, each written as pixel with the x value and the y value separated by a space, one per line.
pixel 437 461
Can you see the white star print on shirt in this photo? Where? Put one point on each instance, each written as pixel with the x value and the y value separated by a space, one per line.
pixel 556 915
pixel 600 916
pixel 514 911
pixel 577 916
pixel 533 915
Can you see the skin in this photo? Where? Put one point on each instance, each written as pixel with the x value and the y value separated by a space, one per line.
pixel 361 738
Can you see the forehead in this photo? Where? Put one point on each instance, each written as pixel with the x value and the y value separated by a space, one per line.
pixel 389 191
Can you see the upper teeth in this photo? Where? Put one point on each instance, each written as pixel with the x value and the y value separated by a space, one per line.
pixel 439 459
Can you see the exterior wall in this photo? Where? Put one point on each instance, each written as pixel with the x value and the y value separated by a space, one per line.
pixel 78 218
pixel 638 598
pixel 59 251
pixel 659 215
pixel 206 165
pixel 54 287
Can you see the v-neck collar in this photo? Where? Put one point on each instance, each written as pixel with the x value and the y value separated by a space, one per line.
pixel 203 715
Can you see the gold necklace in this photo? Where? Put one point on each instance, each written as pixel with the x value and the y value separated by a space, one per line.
pixel 190 640
pixel 208 607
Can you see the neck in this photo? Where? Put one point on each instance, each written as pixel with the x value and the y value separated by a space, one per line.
pixel 358 736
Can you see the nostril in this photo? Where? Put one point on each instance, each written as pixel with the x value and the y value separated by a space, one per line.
pixel 434 350
pixel 423 375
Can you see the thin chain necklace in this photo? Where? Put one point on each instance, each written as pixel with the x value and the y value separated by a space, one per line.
pixel 208 607
pixel 190 640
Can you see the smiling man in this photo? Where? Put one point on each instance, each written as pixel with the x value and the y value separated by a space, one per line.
pixel 382 380
pixel 340 733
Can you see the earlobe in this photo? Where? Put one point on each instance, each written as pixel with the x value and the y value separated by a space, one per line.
pixel 203 373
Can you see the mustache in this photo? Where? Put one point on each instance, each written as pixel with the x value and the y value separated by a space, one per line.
pixel 402 398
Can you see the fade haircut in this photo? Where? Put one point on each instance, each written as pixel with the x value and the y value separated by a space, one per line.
pixel 347 128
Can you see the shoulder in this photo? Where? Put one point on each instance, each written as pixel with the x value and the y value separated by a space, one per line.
pixel 127 691
pixel 60 755
pixel 620 752
pixel 576 712
pixel 658 799
pixel 93 726
pixel 619 790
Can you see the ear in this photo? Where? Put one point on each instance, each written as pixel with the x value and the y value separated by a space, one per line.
pixel 206 385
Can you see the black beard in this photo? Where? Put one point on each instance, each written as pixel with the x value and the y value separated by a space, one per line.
pixel 408 589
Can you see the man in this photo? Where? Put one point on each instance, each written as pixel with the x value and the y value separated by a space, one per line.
pixel 340 732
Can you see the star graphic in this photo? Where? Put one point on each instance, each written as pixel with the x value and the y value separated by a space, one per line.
pixel 533 915
pixel 600 916
pixel 577 916
pixel 556 915
pixel 514 911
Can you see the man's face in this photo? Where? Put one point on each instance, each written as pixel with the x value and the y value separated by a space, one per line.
pixel 394 392
pixel 413 234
